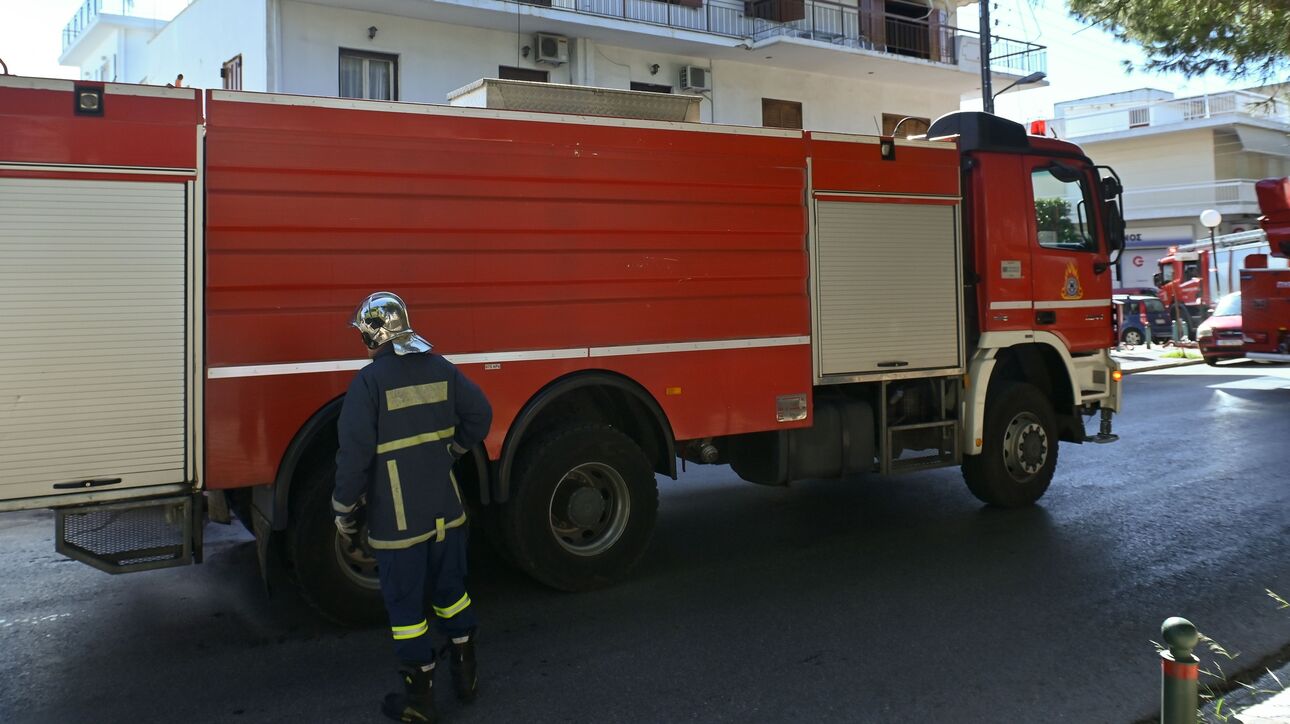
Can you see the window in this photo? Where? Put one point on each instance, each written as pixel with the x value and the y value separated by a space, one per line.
pixel 1154 305
pixel 1061 208
pixel 374 76
pixel 506 72
pixel 781 114
pixel 1166 272
pixel 231 73
pixel 651 87
pixel 1229 306
pixel 912 126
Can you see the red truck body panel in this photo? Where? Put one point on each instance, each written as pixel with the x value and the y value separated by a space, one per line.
pixel 503 235
pixel 140 127
pixel 1265 293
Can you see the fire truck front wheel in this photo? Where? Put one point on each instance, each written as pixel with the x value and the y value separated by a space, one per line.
pixel 1019 448
pixel 583 507
pixel 336 577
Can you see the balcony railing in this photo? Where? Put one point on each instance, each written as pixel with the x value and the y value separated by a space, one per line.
pixel 88 13
pixel 1190 199
pixel 90 10
pixel 819 20
pixel 1232 104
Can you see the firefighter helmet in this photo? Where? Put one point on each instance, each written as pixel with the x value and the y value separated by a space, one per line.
pixel 383 318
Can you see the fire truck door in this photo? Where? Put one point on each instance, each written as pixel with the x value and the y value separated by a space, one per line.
pixel 1072 278
pixel 93 384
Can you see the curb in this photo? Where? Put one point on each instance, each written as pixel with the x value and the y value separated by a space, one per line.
pixel 1153 366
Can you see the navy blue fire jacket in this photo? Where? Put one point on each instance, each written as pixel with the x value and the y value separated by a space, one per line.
pixel 398 424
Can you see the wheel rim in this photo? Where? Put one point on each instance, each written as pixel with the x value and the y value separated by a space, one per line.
pixel 589 508
pixel 1025 447
pixel 356 562
pixel 1133 337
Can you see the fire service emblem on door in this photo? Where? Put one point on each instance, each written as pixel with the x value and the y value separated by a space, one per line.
pixel 1071 288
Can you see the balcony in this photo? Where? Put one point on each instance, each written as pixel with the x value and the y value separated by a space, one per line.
pixel 898 30
pixel 88 14
pixel 1220 107
pixel 1231 197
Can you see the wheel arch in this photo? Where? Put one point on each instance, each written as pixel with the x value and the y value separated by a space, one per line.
pixel 1036 357
pixel 315 443
pixel 585 393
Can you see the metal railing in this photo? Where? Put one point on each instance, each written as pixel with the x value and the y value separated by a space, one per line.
pixel 88 13
pixel 90 10
pixel 1164 113
pixel 1189 199
pixel 819 20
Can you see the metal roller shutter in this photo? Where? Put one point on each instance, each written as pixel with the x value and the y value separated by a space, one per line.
pixel 888 289
pixel 92 360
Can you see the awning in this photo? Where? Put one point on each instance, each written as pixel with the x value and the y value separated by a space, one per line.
pixel 1264 140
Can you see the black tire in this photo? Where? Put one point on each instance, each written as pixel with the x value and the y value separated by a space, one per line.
pixel 326 581
pixel 1211 361
pixel 1017 416
pixel 1132 336
pixel 582 509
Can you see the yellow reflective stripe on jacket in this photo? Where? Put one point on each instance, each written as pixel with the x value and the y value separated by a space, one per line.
pixel 396 493
pixel 415 440
pixel 439 529
pixel 454 609
pixel 410 632
pixel 428 394
pixel 386 545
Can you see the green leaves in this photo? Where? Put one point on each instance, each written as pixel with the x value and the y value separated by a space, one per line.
pixel 1235 38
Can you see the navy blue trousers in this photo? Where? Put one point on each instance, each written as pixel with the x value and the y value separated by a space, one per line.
pixel 424 581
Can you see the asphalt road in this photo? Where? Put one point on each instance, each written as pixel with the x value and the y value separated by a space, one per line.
pixel 897 599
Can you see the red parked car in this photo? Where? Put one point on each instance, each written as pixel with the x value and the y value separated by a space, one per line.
pixel 1220 335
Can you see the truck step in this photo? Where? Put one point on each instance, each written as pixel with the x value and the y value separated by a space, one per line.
pixel 137 535
pixel 1101 438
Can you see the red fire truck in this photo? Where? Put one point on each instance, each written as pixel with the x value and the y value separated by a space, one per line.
pixel 180 267
pixel 1184 281
pixel 1265 293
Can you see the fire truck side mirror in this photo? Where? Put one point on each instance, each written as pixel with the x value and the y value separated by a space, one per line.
pixel 1114 229
pixel 1158 279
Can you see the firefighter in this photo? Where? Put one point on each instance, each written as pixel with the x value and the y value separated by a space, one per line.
pixel 406 418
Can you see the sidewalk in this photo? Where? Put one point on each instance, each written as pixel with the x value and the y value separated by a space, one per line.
pixel 1266 702
pixel 1146 359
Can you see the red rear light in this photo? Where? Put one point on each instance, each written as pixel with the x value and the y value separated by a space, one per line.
pixel 1142 315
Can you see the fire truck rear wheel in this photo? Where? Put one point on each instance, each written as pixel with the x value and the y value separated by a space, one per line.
pixel 583 507
pixel 1019 449
pixel 338 580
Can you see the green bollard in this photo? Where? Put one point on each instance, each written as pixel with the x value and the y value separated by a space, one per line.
pixel 1179 672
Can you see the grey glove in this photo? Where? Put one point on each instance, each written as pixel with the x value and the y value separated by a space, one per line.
pixel 347 525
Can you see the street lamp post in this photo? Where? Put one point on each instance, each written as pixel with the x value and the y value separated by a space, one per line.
pixel 1032 78
pixel 1211 219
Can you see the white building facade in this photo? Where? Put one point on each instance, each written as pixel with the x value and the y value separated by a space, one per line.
pixel 1180 156
pixel 851 66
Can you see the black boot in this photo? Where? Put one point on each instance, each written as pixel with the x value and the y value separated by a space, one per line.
pixel 416 703
pixel 464 677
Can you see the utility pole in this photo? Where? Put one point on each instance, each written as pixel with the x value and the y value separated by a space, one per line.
pixel 987 90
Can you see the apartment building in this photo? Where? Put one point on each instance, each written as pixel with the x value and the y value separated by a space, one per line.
pixel 849 66
pixel 1180 156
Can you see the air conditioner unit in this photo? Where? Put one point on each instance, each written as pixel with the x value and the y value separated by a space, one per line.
pixel 552 49
pixel 694 78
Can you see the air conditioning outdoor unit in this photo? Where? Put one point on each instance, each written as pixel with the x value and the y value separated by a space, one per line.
pixel 552 49
pixel 694 78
